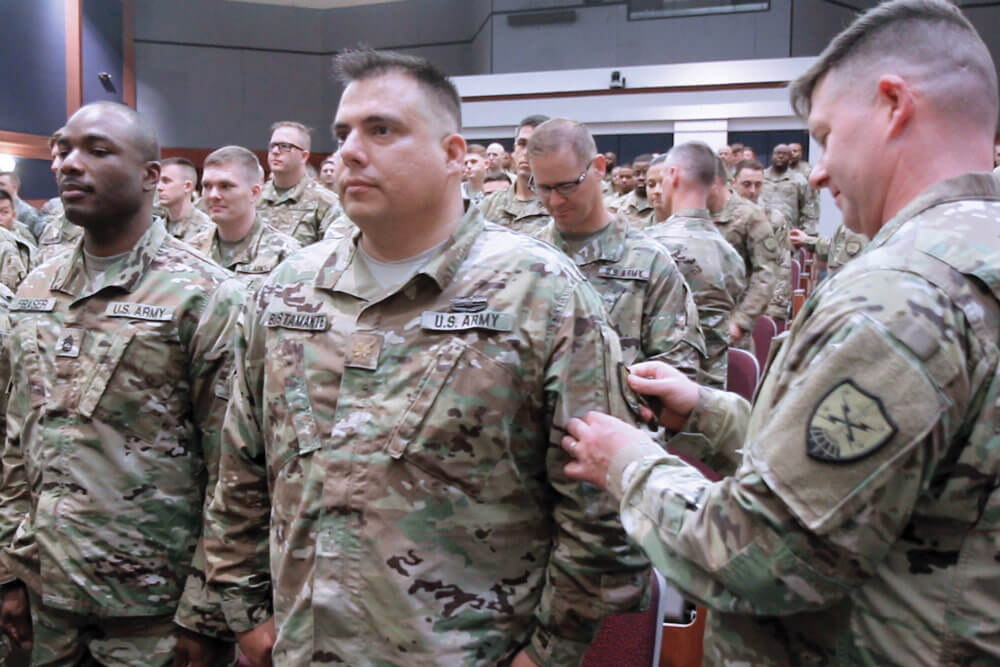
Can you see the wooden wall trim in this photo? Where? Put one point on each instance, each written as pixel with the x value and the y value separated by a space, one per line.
pixel 74 56
pixel 128 52
pixel 19 144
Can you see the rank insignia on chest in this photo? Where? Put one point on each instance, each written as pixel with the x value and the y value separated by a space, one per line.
pixel 33 305
pixel 486 319
pixel 847 424
pixel 623 273
pixel 295 320
pixel 68 343
pixel 363 350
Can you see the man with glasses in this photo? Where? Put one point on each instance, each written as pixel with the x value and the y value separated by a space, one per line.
pixel 291 201
pixel 679 184
pixel 517 207
pixel 645 294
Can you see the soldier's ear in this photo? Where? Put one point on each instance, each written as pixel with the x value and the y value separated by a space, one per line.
pixel 150 176
pixel 896 102
pixel 454 151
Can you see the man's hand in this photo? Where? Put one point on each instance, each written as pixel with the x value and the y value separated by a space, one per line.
pixel 735 332
pixel 676 393
pixel 522 659
pixel 15 615
pixel 797 237
pixel 197 650
pixel 593 441
pixel 256 644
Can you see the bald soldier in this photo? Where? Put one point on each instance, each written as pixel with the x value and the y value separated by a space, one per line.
pixel 391 448
pixel 178 178
pixel 292 201
pixel 120 355
pixel 647 299
pixel 679 184
pixel 239 240
pixel 517 207
pixel 746 227
pixel 860 526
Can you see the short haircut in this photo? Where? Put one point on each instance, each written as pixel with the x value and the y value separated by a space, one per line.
pixel 645 157
pixel 929 42
pixel 361 64
pixel 752 165
pixel 721 170
pixel 303 129
pixel 736 147
pixel 696 159
pixel 559 133
pixel 14 178
pixel 190 171
pixel 4 195
pixel 140 132
pixel 478 149
pixel 533 120
pixel 329 159
pixel 239 156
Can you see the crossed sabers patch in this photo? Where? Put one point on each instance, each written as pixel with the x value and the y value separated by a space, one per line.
pixel 847 424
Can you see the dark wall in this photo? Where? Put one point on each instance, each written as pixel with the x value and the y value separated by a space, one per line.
pixel 33 75
pixel 37 181
pixel 764 141
pixel 102 49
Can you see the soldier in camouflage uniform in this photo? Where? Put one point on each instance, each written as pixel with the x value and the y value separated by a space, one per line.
pixel 679 183
pixel 746 227
pixel 647 299
pixel 789 192
pixel 59 236
pixel 517 207
pixel 26 213
pixel 796 163
pixel 835 250
pixel 391 447
pixel 861 525
pixel 120 352
pixel 292 202
pixel 239 241
pixel 177 180
pixel 635 205
pixel 16 233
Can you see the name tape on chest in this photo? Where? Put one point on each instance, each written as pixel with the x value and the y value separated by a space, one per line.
pixel 622 273
pixel 33 305
pixel 486 319
pixel 290 319
pixel 139 311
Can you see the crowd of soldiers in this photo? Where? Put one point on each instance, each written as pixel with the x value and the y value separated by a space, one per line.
pixel 436 405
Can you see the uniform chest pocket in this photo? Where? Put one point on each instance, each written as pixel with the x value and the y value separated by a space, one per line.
pixel 460 424
pixel 135 378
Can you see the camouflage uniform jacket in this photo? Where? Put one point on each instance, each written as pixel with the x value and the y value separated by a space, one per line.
pixel 780 307
pixel 715 274
pixel 791 194
pixel 649 303
pixel 26 244
pixel 59 236
pixel 29 215
pixel 746 227
pixel 256 255
pixel 839 249
pixel 525 216
pixel 637 209
pixel 113 426
pixel 339 228
pixel 301 212
pixel 861 525
pixel 13 267
pixel 401 448
pixel 194 223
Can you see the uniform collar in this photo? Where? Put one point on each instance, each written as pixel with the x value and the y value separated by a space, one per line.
pixel 270 193
pixel 510 204
pixel 71 276
pixel 609 246
pixel 338 274
pixel 246 247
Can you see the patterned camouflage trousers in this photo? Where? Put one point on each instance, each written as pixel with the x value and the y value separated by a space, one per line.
pixel 64 638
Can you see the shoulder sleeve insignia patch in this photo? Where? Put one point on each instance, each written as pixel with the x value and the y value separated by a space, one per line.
pixel 847 424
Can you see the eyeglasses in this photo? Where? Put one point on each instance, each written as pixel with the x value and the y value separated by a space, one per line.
pixel 565 189
pixel 282 147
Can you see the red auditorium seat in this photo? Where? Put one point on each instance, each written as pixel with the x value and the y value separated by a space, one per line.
pixel 764 331
pixel 633 640
pixel 743 373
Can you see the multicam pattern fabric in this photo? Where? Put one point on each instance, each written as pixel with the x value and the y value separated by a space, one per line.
pixel 746 227
pixel 262 249
pixel 780 307
pixel 790 193
pixel 714 272
pixel 303 212
pixel 113 424
pixel 13 267
pixel 59 236
pixel 635 208
pixel 840 248
pixel 525 216
pixel 861 524
pixel 194 223
pixel 647 299
pixel 392 457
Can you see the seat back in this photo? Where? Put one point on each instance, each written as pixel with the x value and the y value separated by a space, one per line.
pixel 764 331
pixel 743 373
pixel 796 272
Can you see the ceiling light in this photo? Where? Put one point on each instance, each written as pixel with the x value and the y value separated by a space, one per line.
pixel 7 162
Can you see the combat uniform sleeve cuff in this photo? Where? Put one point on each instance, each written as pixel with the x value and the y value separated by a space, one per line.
pixel 633 451
pixel 548 650
pixel 243 614
pixel 706 412
pixel 742 320
pixel 200 610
